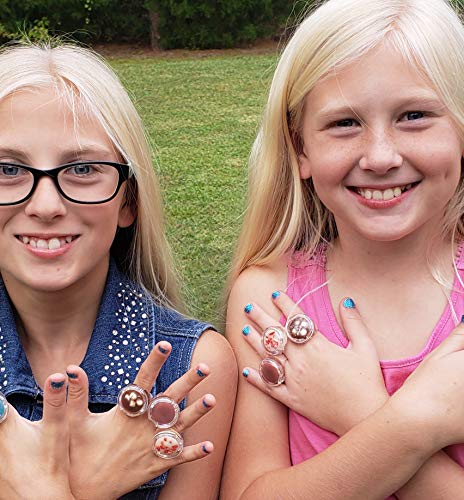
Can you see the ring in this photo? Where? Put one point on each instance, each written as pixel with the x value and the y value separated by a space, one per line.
pixel 3 408
pixel 168 444
pixel 274 340
pixel 163 411
pixel 300 328
pixel 133 400
pixel 272 371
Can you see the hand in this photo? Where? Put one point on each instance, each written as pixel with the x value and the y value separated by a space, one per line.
pixel 335 388
pixel 111 453
pixel 432 396
pixel 35 455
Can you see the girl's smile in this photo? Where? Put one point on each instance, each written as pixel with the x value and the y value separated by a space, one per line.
pixel 382 150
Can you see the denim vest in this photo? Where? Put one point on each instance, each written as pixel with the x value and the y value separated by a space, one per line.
pixel 128 325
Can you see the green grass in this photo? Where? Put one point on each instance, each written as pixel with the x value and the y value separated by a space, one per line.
pixel 202 116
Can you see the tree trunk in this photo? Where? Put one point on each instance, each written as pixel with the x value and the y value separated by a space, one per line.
pixel 154 33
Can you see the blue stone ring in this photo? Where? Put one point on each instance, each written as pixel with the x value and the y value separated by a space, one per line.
pixel 3 408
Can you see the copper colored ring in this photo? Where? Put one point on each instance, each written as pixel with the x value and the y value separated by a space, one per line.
pixel 300 328
pixel 274 340
pixel 272 371
pixel 163 411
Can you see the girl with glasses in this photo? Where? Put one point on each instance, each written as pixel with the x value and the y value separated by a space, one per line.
pixel 89 328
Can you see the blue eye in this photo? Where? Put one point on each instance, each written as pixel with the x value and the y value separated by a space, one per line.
pixel 81 170
pixel 413 115
pixel 10 170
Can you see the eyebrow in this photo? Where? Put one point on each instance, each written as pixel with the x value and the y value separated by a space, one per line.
pixel 90 150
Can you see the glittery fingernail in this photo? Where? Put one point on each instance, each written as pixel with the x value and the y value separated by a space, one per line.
pixel 462 319
pixel 246 330
pixel 56 385
pixel 275 294
pixel 349 303
pixel 248 308
pixel 246 372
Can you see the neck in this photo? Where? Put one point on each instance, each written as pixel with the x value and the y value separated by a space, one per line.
pixel 57 321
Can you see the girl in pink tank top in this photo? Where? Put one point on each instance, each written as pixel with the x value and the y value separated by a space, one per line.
pixel 347 292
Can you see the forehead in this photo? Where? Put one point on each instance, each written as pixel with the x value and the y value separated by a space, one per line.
pixel 380 77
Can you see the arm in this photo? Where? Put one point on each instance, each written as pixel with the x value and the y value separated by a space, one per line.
pixel 201 478
pixel 372 460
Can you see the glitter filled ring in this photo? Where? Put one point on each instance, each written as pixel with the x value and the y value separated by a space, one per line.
pixel 272 371
pixel 133 400
pixel 300 328
pixel 168 444
pixel 274 340
pixel 3 408
pixel 163 411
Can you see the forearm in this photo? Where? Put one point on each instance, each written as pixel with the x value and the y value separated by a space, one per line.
pixel 371 461
pixel 440 477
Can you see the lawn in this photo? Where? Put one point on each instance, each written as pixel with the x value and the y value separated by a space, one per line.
pixel 201 115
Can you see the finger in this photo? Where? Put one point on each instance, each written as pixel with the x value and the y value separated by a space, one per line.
pixel 78 392
pixel 354 327
pixel 54 403
pixel 194 412
pixel 189 454
pixel 279 392
pixel 183 385
pixel 259 316
pixel 254 338
pixel 152 365
pixel 285 304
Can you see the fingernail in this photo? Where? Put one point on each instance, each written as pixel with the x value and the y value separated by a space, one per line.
pixel 71 375
pixel 200 373
pixel 246 330
pixel 248 308
pixel 246 372
pixel 205 450
pixel 56 385
pixel 462 319
pixel 206 405
pixel 275 294
pixel 349 303
pixel 164 351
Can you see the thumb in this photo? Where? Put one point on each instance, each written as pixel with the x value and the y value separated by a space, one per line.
pixel 78 392
pixel 353 326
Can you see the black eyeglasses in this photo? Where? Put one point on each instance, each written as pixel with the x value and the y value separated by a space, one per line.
pixel 85 182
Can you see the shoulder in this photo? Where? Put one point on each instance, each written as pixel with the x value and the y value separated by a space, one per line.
pixel 213 349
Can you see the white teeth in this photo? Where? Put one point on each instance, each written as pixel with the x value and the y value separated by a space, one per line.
pixel 25 240
pixel 68 239
pixel 386 195
pixel 54 243
pixel 33 244
pixel 42 244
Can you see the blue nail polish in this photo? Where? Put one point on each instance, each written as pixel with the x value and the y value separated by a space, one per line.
pixel 200 373
pixel 206 405
pixel 349 303
pixel 71 375
pixel 246 372
pixel 2 409
pixel 275 294
pixel 246 331
pixel 163 351
pixel 56 385
pixel 248 308
pixel 204 449
pixel 462 319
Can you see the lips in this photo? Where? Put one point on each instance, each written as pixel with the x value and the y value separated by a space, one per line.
pixel 43 243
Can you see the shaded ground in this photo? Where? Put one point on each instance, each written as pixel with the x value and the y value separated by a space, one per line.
pixel 123 51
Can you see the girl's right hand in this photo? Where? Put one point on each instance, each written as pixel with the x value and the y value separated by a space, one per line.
pixel 111 453
pixel 35 455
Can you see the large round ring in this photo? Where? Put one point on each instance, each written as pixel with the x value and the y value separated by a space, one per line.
pixel 272 371
pixel 167 444
pixel 163 411
pixel 3 408
pixel 300 328
pixel 274 340
pixel 133 400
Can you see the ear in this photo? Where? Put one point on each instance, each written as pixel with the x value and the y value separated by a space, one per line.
pixel 126 215
pixel 305 165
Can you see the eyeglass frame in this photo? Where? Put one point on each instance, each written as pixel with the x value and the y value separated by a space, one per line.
pixel 122 168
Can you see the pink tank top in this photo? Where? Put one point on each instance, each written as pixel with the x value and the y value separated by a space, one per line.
pixel 309 273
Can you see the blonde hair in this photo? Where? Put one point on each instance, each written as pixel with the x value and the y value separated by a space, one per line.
pixel 284 212
pixel 88 85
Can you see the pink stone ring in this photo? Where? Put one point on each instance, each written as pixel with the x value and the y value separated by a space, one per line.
pixel 272 371
pixel 163 411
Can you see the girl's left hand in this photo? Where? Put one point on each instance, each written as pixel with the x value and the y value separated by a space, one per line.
pixel 334 387
pixel 112 453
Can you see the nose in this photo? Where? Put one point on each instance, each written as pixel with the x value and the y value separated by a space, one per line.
pixel 46 203
pixel 380 153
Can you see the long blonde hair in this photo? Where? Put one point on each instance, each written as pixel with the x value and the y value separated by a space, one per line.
pixel 89 85
pixel 284 212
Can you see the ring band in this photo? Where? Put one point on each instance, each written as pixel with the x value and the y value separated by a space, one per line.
pixel 272 371
pixel 274 340
pixel 163 412
pixel 133 400
pixel 168 444
pixel 300 328
pixel 4 406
